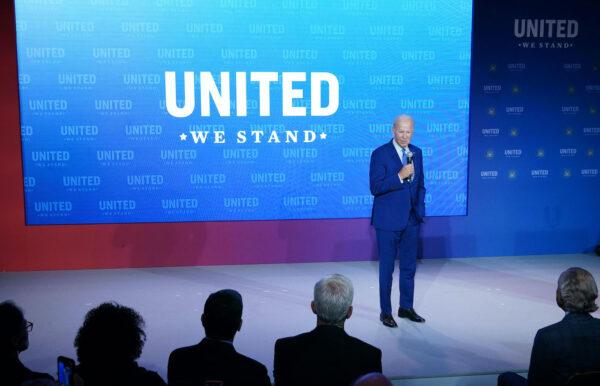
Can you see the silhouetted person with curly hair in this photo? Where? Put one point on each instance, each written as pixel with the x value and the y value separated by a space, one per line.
pixel 108 344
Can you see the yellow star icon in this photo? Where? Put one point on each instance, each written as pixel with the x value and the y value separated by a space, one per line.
pixel 182 136
pixel 323 135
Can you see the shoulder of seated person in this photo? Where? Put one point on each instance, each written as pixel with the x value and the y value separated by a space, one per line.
pixel 364 344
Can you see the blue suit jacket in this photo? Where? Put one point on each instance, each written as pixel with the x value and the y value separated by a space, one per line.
pixel 394 200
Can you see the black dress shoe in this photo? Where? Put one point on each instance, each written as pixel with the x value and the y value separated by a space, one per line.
pixel 388 321
pixel 410 314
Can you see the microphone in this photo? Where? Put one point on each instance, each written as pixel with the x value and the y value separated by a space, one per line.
pixel 409 157
pixel 409 160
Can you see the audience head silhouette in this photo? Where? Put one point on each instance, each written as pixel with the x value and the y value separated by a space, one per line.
pixel 372 379
pixel 222 316
pixel 214 359
pixel 571 346
pixel 14 336
pixel 332 301
pixel 577 291
pixel 111 335
pixel 108 343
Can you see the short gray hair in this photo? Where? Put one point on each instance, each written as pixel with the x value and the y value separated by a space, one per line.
pixel 403 118
pixel 333 297
pixel 577 290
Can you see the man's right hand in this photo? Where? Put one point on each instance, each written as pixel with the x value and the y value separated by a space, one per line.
pixel 406 171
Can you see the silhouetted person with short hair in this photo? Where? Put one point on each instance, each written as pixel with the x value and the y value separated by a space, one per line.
pixel 327 355
pixel 14 339
pixel 108 344
pixel 570 346
pixel 214 360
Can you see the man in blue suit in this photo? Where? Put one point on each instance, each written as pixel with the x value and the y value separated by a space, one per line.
pixel 396 180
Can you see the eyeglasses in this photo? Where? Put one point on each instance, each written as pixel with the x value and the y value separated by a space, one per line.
pixel 28 325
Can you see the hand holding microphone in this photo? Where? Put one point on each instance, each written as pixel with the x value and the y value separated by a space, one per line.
pixel 407 170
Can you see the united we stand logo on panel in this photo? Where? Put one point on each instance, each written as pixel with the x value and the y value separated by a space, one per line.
pixel 545 33
pixel 221 95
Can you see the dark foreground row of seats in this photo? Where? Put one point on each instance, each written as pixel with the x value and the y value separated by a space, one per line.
pixel 112 336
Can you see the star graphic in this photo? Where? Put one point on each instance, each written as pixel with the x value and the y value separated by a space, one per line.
pixel 567 173
pixel 541 153
pixel 514 132
pixel 182 136
pixel 323 135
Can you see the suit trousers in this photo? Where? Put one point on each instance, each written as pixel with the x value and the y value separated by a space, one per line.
pixel 391 244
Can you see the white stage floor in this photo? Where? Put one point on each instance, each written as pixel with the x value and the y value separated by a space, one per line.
pixel 482 313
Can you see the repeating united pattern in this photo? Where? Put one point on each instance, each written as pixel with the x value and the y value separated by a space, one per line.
pixel 101 144
pixel 536 94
